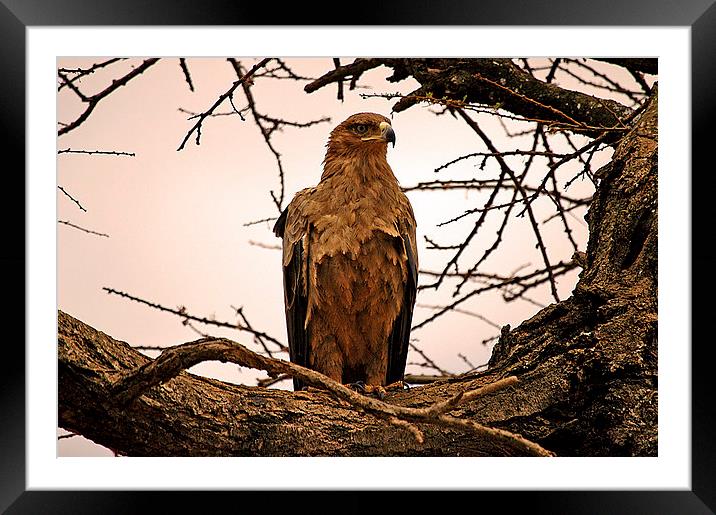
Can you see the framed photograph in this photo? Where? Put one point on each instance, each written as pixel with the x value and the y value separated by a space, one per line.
pixel 235 188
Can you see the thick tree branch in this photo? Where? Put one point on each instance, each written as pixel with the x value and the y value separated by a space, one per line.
pixel 176 359
pixel 494 82
pixel 184 414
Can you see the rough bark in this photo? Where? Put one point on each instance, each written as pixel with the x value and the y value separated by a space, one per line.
pixel 587 366
pixel 598 349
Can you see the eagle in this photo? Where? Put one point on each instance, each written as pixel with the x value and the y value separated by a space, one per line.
pixel 350 263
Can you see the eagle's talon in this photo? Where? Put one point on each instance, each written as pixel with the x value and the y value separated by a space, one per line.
pixel 398 385
pixel 358 386
pixel 368 389
pixel 376 390
pixel 380 392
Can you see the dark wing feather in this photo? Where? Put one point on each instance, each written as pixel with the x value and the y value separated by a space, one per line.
pixel 399 339
pixel 280 225
pixel 295 302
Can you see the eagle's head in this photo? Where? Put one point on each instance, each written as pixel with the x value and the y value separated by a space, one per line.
pixel 361 133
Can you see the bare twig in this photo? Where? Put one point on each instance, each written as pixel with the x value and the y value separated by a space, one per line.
pixel 242 79
pixel 193 115
pixel 270 381
pixel 264 245
pixel 181 312
pixel 187 75
pixel 533 221
pixel 263 220
pixel 88 231
pixel 268 125
pixel 78 73
pixel 424 378
pixel 464 312
pixel 94 100
pixel 354 70
pixel 257 337
pixel 429 363
pixel 555 271
pixel 95 152
pixel 149 347
pixel 505 153
pixel 281 66
pixel 339 82
pixel 73 199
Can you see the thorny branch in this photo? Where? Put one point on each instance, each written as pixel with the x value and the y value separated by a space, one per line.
pixel 182 312
pixel 263 220
pixel 75 74
pixel 229 93
pixel 523 283
pixel 258 338
pixel 88 231
pixel 73 199
pixel 428 362
pixel 93 100
pixel 95 152
pixel 268 125
pixel 280 70
pixel 185 71
pixel 533 221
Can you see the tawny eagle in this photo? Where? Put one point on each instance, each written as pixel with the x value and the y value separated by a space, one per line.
pixel 350 263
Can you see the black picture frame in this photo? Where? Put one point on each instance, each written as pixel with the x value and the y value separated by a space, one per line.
pixel 17 15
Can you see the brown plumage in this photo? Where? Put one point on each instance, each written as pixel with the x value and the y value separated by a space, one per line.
pixel 350 261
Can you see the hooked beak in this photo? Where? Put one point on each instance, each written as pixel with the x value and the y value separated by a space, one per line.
pixel 387 133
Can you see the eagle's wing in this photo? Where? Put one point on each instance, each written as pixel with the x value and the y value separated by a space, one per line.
pixel 399 339
pixel 294 294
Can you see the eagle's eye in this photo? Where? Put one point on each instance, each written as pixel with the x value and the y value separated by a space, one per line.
pixel 361 128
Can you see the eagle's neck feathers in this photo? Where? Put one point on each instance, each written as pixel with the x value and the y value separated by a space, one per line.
pixel 363 165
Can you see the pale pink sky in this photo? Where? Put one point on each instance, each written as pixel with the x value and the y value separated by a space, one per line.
pixel 176 219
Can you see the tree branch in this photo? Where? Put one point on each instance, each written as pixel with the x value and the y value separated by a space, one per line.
pixel 475 80
pixel 174 360
pixel 185 71
pixel 78 73
pixel 227 94
pixel 95 152
pixel 88 231
pixel 73 199
pixel 105 384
